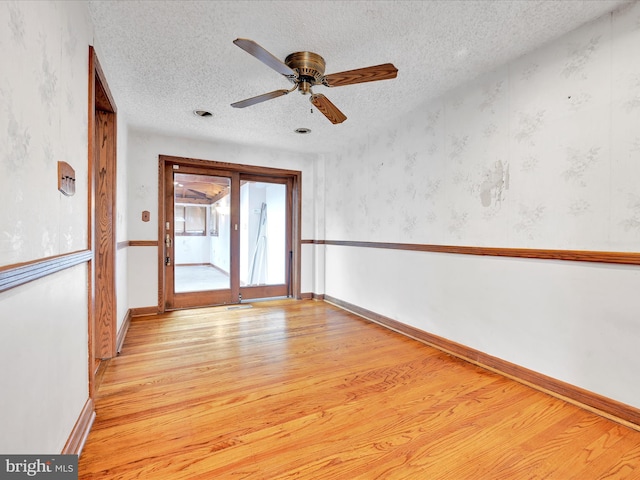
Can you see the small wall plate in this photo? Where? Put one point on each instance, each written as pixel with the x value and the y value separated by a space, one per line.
pixel 66 179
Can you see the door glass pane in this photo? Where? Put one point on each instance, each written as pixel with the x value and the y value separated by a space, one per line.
pixel 202 232
pixel 262 233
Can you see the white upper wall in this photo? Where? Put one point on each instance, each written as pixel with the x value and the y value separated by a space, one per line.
pixel 145 148
pixel 43 120
pixel 541 153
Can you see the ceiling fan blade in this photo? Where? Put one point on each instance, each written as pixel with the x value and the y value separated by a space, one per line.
pixel 265 57
pixel 329 110
pixel 259 99
pixel 385 71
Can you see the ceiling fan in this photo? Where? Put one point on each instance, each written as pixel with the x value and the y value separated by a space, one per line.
pixel 305 70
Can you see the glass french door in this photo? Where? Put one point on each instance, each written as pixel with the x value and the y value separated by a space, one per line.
pixel 227 236
pixel 264 237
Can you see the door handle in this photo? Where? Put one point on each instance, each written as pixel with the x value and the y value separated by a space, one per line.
pixel 167 243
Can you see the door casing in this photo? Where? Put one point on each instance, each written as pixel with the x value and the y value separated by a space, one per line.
pixel 102 123
pixel 165 208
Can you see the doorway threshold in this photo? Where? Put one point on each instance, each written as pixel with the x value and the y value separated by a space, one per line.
pixel 238 307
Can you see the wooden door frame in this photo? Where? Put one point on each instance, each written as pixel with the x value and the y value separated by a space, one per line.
pixel 101 170
pixel 293 176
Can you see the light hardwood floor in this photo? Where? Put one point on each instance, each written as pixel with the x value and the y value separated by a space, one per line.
pixel 302 389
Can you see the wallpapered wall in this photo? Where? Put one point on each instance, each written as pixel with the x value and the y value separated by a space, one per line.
pixel 542 153
pixel 122 286
pixel 43 119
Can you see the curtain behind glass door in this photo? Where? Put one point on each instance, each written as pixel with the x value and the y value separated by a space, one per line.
pixel 263 232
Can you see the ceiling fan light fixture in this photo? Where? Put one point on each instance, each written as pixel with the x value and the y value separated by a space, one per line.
pixel 304 87
pixel 302 130
pixel 306 70
pixel 203 113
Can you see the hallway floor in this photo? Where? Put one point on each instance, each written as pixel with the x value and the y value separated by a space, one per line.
pixel 302 389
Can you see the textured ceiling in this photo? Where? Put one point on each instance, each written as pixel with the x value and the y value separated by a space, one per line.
pixel 164 59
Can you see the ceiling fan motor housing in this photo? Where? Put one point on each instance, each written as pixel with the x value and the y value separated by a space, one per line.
pixel 310 67
pixel 306 69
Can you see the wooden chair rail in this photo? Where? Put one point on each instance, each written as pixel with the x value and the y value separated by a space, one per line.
pixel 626 258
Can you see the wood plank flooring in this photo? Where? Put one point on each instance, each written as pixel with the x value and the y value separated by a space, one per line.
pixel 302 389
